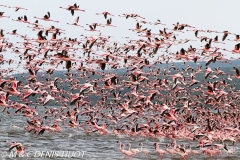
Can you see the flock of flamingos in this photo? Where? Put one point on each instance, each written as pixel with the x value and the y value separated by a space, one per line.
pixel 146 101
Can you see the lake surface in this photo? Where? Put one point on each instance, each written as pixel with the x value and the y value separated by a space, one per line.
pixel 93 146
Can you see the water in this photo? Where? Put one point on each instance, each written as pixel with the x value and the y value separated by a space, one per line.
pixel 93 145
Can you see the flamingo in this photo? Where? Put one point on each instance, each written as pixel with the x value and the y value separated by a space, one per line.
pixel 48 98
pixel 235 50
pixel 109 22
pixel 157 23
pixel 196 31
pixel 144 151
pixel 236 39
pixel 19 147
pixel 2 16
pixel 225 34
pixel 46 18
pixel 3 100
pixel 18 8
pixel 161 152
pixel 3 5
pixel 22 19
pixel 237 75
pixel 73 8
pixel 76 23
pixel 93 28
pixel 123 151
pixel 105 13
pixel 134 151
pixel 138 28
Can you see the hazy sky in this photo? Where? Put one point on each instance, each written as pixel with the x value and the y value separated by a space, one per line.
pixel 216 15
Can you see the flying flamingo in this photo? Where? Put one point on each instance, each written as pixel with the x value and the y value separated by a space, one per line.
pixel 138 28
pixel 93 28
pixel 3 99
pixel 14 32
pixel 76 23
pixel 157 22
pixel 1 34
pixel 41 39
pixel 13 90
pixel 2 16
pixel 19 147
pixel 18 8
pixel 109 22
pixel 3 5
pixel 97 24
pixel 235 50
pixel 46 18
pixel 22 19
pixel 215 40
pixel 225 34
pixel 236 39
pixel 36 25
pixel 105 14
pixel 237 75
pixel 196 31
pixel 31 92
pixel 73 8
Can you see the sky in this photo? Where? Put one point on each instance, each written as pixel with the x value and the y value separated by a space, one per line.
pixel 216 15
